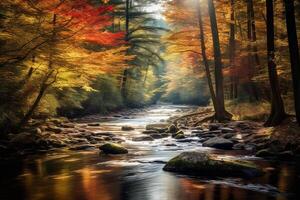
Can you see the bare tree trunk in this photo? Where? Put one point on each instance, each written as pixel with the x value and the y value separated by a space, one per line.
pixel 221 113
pixel 125 72
pixel 204 57
pixel 294 53
pixel 232 47
pixel 277 107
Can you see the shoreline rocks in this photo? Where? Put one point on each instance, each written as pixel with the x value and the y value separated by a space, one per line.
pixel 203 164
pixel 112 148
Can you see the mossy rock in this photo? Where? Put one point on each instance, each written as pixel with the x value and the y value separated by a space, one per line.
pixel 202 164
pixel 111 148
pixel 172 129
pixel 179 136
pixel 265 153
pixel 177 133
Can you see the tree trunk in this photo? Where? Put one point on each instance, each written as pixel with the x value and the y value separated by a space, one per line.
pixel 294 53
pixel 125 72
pixel 34 106
pixel 221 113
pixel 252 60
pixel 232 47
pixel 277 107
pixel 204 56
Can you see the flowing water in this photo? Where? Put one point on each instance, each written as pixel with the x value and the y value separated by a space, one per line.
pixel 86 175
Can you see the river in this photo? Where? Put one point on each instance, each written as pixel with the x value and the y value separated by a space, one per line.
pixel 86 175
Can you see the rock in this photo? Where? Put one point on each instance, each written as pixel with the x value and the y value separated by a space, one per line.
pixel 250 147
pixel 111 148
pixel 127 128
pixel 159 135
pixel 265 153
pixel 187 140
pixel 218 143
pixel 177 133
pixel 93 124
pixel 82 147
pixel 150 132
pixel 56 143
pixel 108 134
pixel 199 163
pixel 238 146
pixel 67 125
pixel 158 127
pixel 179 136
pixel 228 135
pixel 172 129
pixel 142 138
pixel 213 127
pixel 171 145
pixel 227 130
pixel 54 129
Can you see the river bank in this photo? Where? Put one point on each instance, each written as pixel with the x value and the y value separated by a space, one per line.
pixel 81 173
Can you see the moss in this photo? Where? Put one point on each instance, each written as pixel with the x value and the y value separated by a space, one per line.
pixel 111 148
pixel 179 136
pixel 203 164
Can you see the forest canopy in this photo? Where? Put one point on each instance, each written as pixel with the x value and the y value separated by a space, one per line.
pixel 78 57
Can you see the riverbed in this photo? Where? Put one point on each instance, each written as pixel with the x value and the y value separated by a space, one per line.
pixel 88 175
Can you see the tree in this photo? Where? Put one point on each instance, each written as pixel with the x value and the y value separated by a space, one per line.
pixel 277 107
pixel 221 113
pixel 204 56
pixel 294 53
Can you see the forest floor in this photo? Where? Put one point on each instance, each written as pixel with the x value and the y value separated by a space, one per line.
pixel 281 142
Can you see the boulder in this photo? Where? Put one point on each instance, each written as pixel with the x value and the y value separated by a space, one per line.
pixel 127 128
pixel 150 132
pixel 142 138
pixel 213 127
pixel 228 135
pixel 54 129
pixel 159 135
pixel 202 164
pixel 179 136
pixel 94 124
pixel 111 148
pixel 265 153
pixel 227 130
pixel 159 127
pixel 219 143
pixel 172 129
pixel 177 133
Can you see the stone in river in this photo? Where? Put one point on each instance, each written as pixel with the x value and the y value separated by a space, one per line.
pixel 203 164
pixel 127 128
pixel 219 143
pixel 111 148
pixel 142 138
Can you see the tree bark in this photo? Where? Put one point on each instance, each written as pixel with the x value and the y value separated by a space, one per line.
pixel 294 53
pixel 221 113
pixel 204 56
pixel 277 107
pixel 232 47
pixel 125 72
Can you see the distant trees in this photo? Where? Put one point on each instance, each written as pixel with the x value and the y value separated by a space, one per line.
pixel 47 45
pixel 241 53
